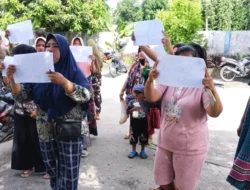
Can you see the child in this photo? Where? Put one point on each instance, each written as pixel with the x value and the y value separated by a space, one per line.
pixel 138 110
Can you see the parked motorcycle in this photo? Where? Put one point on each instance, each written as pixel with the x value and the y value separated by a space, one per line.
pixel 231 68
pixel 6 117
pixel 116 64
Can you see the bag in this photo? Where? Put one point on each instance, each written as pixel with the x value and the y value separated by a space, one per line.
pixel 153 119
pixel 145 71
pixel 67 130
pixel 124 114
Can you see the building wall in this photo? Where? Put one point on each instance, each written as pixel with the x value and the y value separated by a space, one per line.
pixel 228 42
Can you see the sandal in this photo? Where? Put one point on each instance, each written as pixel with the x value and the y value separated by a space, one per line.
pixel 27 173
pixel 143 154
pixel 132 154
pixel 46 176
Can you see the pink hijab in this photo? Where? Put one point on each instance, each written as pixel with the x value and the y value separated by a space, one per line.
pixel 84 66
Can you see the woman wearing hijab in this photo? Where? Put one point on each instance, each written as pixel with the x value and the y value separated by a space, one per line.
pixel 26 154
pixel 58 103
pixel 97 78
pixel 88 68
pixel 40 44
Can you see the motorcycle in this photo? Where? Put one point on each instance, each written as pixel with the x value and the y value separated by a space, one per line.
pixel 116 64
pixel 231 68
pixel 6 117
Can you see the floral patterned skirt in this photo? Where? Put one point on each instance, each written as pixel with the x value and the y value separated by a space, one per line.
pixel 91 112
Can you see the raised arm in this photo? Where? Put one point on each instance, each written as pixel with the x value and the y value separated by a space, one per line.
pixel 216 109
pixel 150 93
pixel 167 43
pixel 150 53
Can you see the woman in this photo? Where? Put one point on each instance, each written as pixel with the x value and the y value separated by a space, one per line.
pixel 183 138
pixel 26 154
pixel 239 175
pixel 97 77
pixel 57 102
pixel 88 68
pixel 40 44
pixel 40 47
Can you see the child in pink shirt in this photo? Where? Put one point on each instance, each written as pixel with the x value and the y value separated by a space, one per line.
pixel 183 138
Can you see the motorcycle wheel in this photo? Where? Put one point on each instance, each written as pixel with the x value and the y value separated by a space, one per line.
pixel 124 69
pixel 226 74
pixel 112 70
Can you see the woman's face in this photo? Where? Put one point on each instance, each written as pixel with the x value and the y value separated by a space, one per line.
pixel 77 42
pixel 40 46
pixel 53 47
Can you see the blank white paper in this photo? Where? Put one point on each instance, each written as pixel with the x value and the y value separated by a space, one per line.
pixel 20 32
pixel 32 67
pixel 8 60
pixel 82 53
pixel 148 32
pixel 181 71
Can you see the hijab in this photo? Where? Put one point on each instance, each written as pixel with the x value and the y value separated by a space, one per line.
pixel 52 98
pixel 40 38
pixel 98 59
pixel 77 38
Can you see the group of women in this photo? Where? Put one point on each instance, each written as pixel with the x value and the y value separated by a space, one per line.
pixel 73 94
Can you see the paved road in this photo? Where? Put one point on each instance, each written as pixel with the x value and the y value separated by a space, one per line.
pixel 108 167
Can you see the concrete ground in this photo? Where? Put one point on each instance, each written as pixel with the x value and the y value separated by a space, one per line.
pixel 107 167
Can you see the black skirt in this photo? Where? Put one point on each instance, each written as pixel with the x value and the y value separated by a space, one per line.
pixel 26 153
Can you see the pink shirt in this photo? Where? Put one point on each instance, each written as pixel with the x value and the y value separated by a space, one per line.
pixel 184 120
pixel 85 68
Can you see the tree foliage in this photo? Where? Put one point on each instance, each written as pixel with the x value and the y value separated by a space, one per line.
pixel 227 15
pixel 57 15
pixel 182 20
pixel 150 8
pixel 128 11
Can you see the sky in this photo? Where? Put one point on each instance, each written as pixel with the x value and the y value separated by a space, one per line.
pixel 112 3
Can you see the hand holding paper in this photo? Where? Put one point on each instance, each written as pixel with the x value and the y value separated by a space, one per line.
pixel 32 67
pixel 180 71
pixel 7 61
pixel 20 32
pixel 148 32
pixel 82 53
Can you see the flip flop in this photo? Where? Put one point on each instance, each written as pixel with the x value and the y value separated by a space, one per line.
pixel 143 154
pixel 132 154
pixel 46 176
pixel 27 173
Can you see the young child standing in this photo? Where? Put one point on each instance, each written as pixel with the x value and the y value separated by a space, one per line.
pixel 138 109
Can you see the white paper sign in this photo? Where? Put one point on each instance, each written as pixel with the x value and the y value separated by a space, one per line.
pixel 181 71
pixel 7 61
pixel 148 32
pixel 20 32
pixel 82 53
pixel 32 67
pixel 160 51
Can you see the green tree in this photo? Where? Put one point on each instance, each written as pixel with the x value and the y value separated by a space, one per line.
pixel 128 11
pixel 57 15
pixel 182 20
pixel 150 7
pixel 226 15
